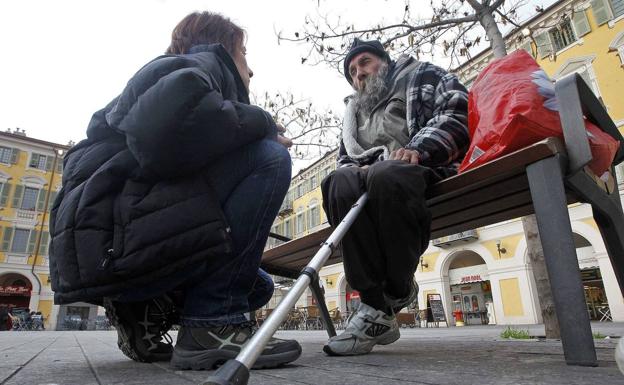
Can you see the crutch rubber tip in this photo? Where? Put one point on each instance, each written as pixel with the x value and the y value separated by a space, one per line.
pixel 230 373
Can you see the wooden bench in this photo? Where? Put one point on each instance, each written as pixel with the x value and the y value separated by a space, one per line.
pixel 543 179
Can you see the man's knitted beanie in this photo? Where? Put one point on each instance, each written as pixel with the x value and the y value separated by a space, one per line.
pixel 358 46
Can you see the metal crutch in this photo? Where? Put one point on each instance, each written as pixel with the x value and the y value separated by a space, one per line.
pixel 236 371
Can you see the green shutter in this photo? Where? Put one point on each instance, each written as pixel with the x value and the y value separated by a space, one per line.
pixel 544 47
pixel 49 161
pixel 18 195
pixel 31 241
pixel 43 246
pixel 581 24
pixel 617 6
pixel 4 197
pixel 527 47
pixel 6 239
pixel 601 10
pixel 14 156
pixel 52 199
pixel 59 165
pixel 41 199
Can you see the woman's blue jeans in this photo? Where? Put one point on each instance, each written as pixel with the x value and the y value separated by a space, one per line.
pixel 251 184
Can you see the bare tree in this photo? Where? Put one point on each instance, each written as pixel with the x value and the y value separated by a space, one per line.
pixel 449 30
pixel 313 131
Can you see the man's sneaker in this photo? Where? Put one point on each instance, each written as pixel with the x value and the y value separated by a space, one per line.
pixel 141 327
pixel 399 303
pixel 366 328
pixel 207 348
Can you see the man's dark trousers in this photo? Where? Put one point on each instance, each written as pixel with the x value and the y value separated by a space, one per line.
pixel 382 248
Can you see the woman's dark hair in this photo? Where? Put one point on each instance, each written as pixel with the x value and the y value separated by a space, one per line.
pixel 205 28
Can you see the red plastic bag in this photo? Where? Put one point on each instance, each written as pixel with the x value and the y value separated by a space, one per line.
pixel 512 105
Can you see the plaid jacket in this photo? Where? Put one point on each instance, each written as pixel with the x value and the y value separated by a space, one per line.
pixel 437 118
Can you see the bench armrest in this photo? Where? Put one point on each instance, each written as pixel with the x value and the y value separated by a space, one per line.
pixel 575 101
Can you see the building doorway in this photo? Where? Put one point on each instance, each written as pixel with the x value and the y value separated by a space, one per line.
pixel 595 295
pixel 593 286
pixel 471 292
pixel 15 291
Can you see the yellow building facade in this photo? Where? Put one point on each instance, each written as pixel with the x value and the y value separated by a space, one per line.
pixel 586 37
pixel 485 273
pixel 30 177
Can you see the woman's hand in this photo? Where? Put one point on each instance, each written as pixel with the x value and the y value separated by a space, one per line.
pixel 281 139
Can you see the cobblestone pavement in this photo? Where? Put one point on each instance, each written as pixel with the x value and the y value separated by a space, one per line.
pixel 468 355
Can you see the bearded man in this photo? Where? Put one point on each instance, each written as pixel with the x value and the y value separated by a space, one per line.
pixel 404 128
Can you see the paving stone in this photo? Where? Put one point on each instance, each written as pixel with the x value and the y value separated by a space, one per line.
pixel 427 356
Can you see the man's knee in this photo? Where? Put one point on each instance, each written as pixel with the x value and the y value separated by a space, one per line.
pixel 393 177
pixel 343 184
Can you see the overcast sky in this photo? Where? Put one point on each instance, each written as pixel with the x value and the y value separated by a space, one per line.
pixel 63 60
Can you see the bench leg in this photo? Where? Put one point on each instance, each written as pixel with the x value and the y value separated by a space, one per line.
pixel 320 300
pixel 553 221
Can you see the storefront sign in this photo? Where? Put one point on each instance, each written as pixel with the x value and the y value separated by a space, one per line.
pixel 471 278
pixel 14 290
pixel 463 275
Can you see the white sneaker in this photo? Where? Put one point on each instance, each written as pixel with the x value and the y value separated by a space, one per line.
pixel 366 328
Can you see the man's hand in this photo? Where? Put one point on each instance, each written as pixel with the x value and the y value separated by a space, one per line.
pixel 281 139
pixel 409 156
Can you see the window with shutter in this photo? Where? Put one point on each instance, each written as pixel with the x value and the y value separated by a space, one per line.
pixel 4 196
pixel 5 155
pixel 32 241
pixel 601 11
pixel 53 195
pixel 314 216
pixel 20 241
pixel 15 156
pixel 41 199
pixel 581 23
pixel 526 45
pixel 6 238
pixel 17 196
pixel 29 199
pixel 40 162
pixel 45 243
pixel 49 161
pixel 617 6
pixel 300 223
pixel 562 35
pixel 544 47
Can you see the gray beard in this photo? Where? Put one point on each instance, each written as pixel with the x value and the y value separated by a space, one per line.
pixel 372 91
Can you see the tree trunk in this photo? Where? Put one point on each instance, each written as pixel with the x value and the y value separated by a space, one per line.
pixel 486 19
pixel 544 292
pixel 531 233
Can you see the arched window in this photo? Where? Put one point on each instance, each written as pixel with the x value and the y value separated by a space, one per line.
pixel 618 45
pixel 583 67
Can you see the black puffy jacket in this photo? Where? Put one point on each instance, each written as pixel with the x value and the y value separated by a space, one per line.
pixel 135 205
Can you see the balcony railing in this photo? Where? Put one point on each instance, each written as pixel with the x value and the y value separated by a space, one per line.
pixel 26 214
pixel 286 208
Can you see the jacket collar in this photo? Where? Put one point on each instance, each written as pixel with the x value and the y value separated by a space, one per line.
pixel 225 57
